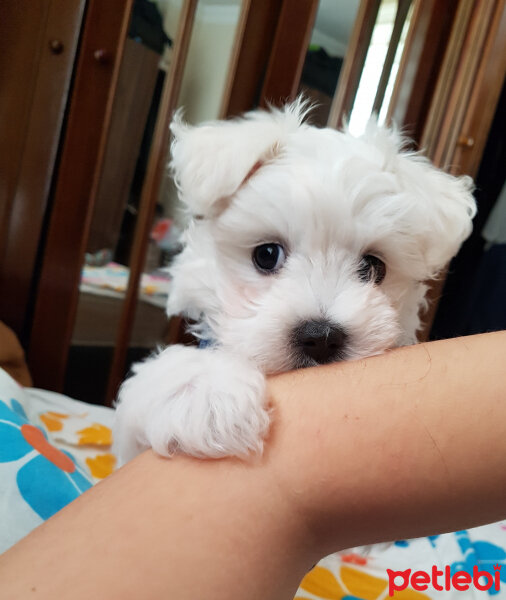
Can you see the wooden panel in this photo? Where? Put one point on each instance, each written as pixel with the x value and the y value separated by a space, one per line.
pixel 137 78
pixel 439 105
pixel 289 50
pixel 38 41
pixel 89 116
pixel 21 35
pixel 464 81
pixel 479 78
pixel 354 61
pixel 250 56
pixel 427 40
pixel 484 97
pixel 150 191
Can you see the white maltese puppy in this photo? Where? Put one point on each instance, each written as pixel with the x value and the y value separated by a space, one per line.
pixel 305 246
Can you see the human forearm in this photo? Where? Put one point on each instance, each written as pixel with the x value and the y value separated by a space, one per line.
pixel 404 444
pixel 399 445
pixel 180 528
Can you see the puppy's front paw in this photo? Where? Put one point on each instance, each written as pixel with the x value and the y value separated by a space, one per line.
pixel 206 403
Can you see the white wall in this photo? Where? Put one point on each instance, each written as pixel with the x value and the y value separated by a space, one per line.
pixel 208 61
pixel 333 25
pixel 208 55
pixel 205 70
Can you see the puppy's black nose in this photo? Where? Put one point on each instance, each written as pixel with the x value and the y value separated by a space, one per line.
pixel 320 341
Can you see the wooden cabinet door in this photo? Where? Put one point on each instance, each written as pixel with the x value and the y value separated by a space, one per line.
pixel 38 41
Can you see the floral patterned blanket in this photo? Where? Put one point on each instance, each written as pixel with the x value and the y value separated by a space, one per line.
pixel 454 557
pixel 52 449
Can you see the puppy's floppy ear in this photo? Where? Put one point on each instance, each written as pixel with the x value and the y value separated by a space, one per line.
pixel 437 208
pixel 211 161
pixel 443 215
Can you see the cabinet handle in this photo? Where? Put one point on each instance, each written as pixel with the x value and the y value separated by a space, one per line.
pixel 466 140
pixel 102 56
pixel 56 46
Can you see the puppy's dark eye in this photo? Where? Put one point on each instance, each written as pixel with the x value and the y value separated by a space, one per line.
pixel 268 258
pixel 372 269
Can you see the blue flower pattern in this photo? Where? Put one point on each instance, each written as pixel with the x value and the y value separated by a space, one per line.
pixel 42 484
pixel 481 554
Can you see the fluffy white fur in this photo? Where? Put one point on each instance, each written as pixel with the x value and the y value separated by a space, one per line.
pixel 329 199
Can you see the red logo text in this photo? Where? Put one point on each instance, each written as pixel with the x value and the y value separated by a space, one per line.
pixel 443 580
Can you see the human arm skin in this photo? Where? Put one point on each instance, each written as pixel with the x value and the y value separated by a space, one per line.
pixel 405 444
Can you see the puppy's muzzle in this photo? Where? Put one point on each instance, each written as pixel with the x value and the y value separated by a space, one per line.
pixel 318 342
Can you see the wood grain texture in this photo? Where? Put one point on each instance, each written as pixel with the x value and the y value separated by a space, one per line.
pixel 136 83
pixel 466 71
pixel 89 116
pixel 291 42
pixel 472 101
pixel 34 80
pixel 421 63
pixel 484 96
pixel 250 56
pixel 156 167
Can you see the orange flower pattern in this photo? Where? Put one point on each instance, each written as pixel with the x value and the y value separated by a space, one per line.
pixel 348 583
